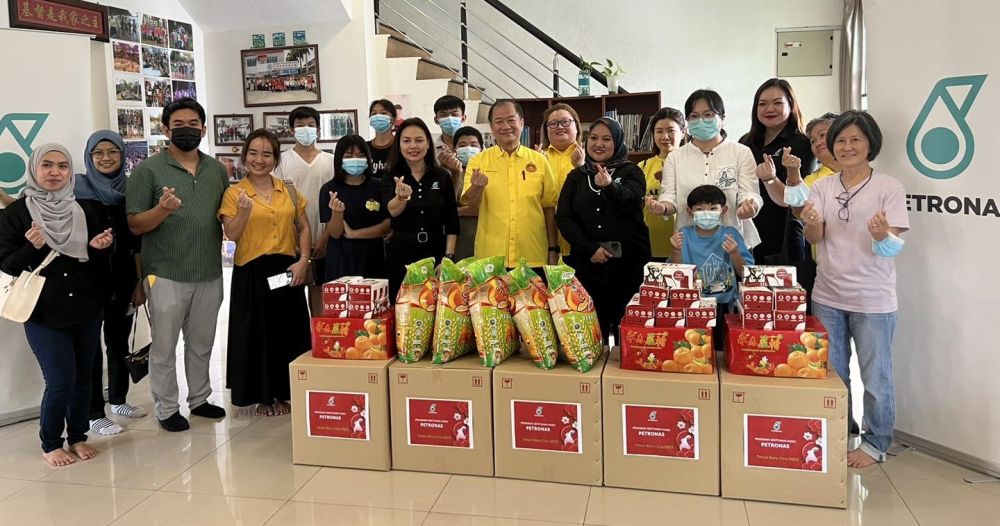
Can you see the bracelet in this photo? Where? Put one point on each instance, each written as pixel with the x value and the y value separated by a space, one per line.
pixel 555 249
pixel 771 180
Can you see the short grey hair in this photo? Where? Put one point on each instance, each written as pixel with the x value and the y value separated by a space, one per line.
pixel 827 118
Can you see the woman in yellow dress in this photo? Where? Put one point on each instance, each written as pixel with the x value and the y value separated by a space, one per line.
pixel 667 126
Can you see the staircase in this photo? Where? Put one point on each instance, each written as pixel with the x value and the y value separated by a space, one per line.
pixel 411 71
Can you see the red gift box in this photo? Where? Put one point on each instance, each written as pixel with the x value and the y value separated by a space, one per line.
pixel 373 290
pixel 652 295
pixel 757 299
pixel 677 275
pixel 783 353
pixel 701 317
pixel 758 320
pixel 684 298
pixel 336 290
pixel 789 320
pixel 354 338
pixel 790 298
pixel 669 316
pixel 666 349
pixel 769 276
pixel 367 308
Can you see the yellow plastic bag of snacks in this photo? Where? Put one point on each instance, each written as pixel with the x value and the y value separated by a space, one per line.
pixel 574 317
pixel 453 333
pixel 532 316
pixel 415 306
pixel 489 304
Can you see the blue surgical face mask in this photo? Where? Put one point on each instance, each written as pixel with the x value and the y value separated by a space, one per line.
pixel 796 196
pixel 380 123
pixel 708 219
pixel 355 166
pixel 306 135
pixel 467 152
pixel 888 247
pixel 450 125
pixel 704 129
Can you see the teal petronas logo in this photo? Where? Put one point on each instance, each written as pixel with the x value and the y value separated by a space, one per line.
pixel 940 144
pixel 14 166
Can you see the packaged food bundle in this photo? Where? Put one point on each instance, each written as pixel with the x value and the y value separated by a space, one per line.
pixel 453 334
pixel 532 316
pixel 574 317
pixel 489 304
pixel 415 305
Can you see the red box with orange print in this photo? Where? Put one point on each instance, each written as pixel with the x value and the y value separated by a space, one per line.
pixel 667 349
pixel 782 353
pixel 354 338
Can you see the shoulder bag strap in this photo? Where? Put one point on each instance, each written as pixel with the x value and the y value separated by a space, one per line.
pixel 45 262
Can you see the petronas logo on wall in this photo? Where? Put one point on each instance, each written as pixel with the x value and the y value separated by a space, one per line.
pixel 940 144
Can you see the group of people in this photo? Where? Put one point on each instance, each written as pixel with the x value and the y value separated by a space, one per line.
pixel 154 31
pixel 283 84
pixel 123 27
pixel 784 193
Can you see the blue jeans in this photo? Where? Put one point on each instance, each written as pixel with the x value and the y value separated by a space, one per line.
pixel 872 334
pixel 66 357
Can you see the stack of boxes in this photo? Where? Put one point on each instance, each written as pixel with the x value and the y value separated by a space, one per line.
pixel 356 323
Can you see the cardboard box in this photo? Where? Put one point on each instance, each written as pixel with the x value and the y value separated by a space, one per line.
pixel 770 276
pixel 661 431
pixel 784 440
pixel 442 416
pixel 763 320
pixel 790 298
pixel 677 276
pixel 669 316
pixel 651 295
pixel 368 307
pixel 789 320
pixel 336 290
pixel 667 349
pixel 354 338
pixel 684 298
pixel 547 424
pixel 368 290
pixel 701 317
pixel 790 353
pixel 756 299
pixel 340 412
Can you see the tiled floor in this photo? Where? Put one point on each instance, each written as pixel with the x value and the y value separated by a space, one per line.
pixel 239 471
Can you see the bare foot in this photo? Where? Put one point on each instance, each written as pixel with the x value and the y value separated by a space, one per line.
pixel 859 459
pixel 83 450
pixel 263 410
pixel 282 408
pixel 58 458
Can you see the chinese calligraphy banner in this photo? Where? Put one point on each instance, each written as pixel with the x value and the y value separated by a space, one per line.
pixel 71 16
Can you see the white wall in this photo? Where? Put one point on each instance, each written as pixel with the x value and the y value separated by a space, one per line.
pixel 674 47
pixel 345 54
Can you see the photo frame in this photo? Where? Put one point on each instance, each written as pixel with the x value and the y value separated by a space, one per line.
pixel 277 123
pixel 124 24
pixel 64 16
pixel 281 76
pixel 335 124
pixel 233 129
pixel 234 166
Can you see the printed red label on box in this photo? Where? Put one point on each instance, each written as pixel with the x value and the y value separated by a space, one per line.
pixel 757 299
pixel 368 290
pixel 639 311
pixel 546 426
pixel 337 415
pixel 669 316
pixel 789 320
pixel 701 318
pixel 784 442
pixel 442 423
pixel 660 431
pixel 339 286
pixel 770 276
pixel 652 295
pixel 758 320
pixel 684 298
pixel 788 299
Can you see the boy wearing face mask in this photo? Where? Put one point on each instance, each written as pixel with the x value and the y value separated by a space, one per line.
pixel 382 118
pixel 308 167
pixel 468 144
pixel 717 250
pixel 449 114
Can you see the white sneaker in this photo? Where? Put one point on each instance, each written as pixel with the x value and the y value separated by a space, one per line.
pixel 128 410
pixel 104 426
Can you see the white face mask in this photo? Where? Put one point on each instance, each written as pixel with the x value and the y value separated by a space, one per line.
pixel 306 135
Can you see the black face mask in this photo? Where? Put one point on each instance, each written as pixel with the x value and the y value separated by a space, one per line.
pixel 185 138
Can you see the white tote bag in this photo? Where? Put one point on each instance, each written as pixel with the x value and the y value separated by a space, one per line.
pixel 19 295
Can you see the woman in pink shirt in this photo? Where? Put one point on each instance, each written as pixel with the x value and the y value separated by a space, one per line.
pixel 854 220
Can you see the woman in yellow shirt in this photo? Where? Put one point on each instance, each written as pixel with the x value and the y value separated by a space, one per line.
pixel 561 137
pixel 667 125
pixel 268 314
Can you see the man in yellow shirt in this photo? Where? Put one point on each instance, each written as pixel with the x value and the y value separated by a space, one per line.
pixel 516 193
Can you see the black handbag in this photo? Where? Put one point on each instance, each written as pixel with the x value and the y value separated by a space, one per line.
pixel 782 258
pixel 137 360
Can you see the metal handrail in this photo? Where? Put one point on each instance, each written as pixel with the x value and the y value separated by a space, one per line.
pixel 488 61
pixel 436 41
pixel 498 32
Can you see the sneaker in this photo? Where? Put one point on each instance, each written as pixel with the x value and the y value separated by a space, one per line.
pixel 104 426
pixel 128 410
pixel 208 410
pixel 175 423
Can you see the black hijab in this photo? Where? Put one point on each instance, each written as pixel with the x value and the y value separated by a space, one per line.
pixel 620 155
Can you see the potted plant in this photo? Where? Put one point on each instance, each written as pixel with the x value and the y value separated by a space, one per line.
pixel 583 80
pixel 612 72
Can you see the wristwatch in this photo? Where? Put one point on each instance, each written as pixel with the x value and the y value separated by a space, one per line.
pixel 771 180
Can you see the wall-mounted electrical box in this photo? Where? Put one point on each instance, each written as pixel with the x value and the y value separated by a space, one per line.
pixel 805 53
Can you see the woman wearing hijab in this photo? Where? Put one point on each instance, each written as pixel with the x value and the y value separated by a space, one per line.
pixel 600 215
pixel 64 331
pixel 105 182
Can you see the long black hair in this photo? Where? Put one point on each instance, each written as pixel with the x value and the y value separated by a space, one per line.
pixel 757 129
pixel 343 146
pixel 397 165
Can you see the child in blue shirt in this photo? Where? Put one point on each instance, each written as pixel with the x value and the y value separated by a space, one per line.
pixel 717 250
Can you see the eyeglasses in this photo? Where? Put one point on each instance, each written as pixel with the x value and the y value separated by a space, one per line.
pixel 565 123
pixel 845 198
pixel 705 117
pixel 110 154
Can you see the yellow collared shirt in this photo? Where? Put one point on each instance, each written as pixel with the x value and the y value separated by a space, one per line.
pixel 511 216
pixel 822 172
pixel 660 229
pixel 562 164
pixel 270 229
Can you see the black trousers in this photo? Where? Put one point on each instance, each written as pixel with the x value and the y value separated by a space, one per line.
pixel 611 286
pixel 405 248
pixel 117 326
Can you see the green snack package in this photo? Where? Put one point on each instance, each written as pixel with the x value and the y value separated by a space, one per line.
pixel 415 305
pixel 574 317
pixel 453 333
pixel 531 315
pixel 489 303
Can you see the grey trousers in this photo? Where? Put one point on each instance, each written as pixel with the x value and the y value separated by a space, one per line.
pixel 176 307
